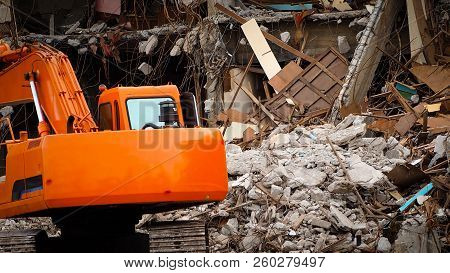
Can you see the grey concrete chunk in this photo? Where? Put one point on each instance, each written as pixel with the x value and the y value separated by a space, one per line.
pixel 344 136
pixel 320 223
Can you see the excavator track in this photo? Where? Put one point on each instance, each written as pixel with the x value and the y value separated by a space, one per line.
pixel 164 237
pixel 22 241
pixel 178 236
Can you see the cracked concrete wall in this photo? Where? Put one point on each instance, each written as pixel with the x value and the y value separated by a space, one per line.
pixel 366 57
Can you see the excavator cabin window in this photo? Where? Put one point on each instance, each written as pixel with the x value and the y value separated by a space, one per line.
pixel 105 117
pixel 145 111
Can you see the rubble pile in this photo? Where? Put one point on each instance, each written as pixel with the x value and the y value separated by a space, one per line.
pixel 44 223
pixel 292 193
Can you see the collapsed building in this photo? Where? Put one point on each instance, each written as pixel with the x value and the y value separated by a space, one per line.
pixel 335 112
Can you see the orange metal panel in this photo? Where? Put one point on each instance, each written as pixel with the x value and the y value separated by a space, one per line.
pixel 134 167
pixel 14 170
pixel 22 207
pixel 33 158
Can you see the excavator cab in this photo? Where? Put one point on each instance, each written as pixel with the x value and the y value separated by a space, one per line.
pixel 146 107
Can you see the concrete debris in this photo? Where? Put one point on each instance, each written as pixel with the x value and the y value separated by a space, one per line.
pixel 342 222
pixel 344 136
pixel 309 177
pixel 285 36
pixel 286 171
pixel 5 12
pixel 271 16
pixel 251 241
pixel 145 68
pixel 340 187
pixel 93 40
pixel 383 245
pixel 320 223
pixel 148 46
pixel 264 28
pixel 243 181
pixel 246 162
pixel 231 227
pixel 305 185
pixel 30 223
pixel 6 111
pixel 72 28
pixel 363 174
pixel 191 40
pixel 343 44
pixel 363 21
pixel 82 50
pixel 98 27
pixel 152 43
pixel 279 140
pixel 74 42
pixel 415 237
pixel 177 48
pixel 289 246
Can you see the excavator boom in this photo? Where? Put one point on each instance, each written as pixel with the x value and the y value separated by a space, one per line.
pixel 46 72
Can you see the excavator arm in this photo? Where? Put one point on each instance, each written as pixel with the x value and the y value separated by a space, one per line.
pixel 43 75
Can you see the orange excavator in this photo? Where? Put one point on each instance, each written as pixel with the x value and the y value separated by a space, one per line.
pixel 146 154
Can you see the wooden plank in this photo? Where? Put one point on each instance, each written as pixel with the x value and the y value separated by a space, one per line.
pixel 401 100
pixel 405 123
pixel 315 90
pixel 311 72
pixel 286 77
pixel 257 102
pixel 261 48
pixel 331 61
pixel 436 77
pixel 266 90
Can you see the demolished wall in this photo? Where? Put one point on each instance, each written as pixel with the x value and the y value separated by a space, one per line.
pixel 367 57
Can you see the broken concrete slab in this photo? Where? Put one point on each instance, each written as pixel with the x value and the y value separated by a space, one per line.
pixel 308 177
pixel 341 221
pixel 344 136
pixel 320 223
pixel 246 162
pixel 364 174
pixel 340 187
pixel 383 245
pixel 343 44
pixel 279 140
pixel 145 68
pixel 251 241
pixel 231 227
pixel 415 238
